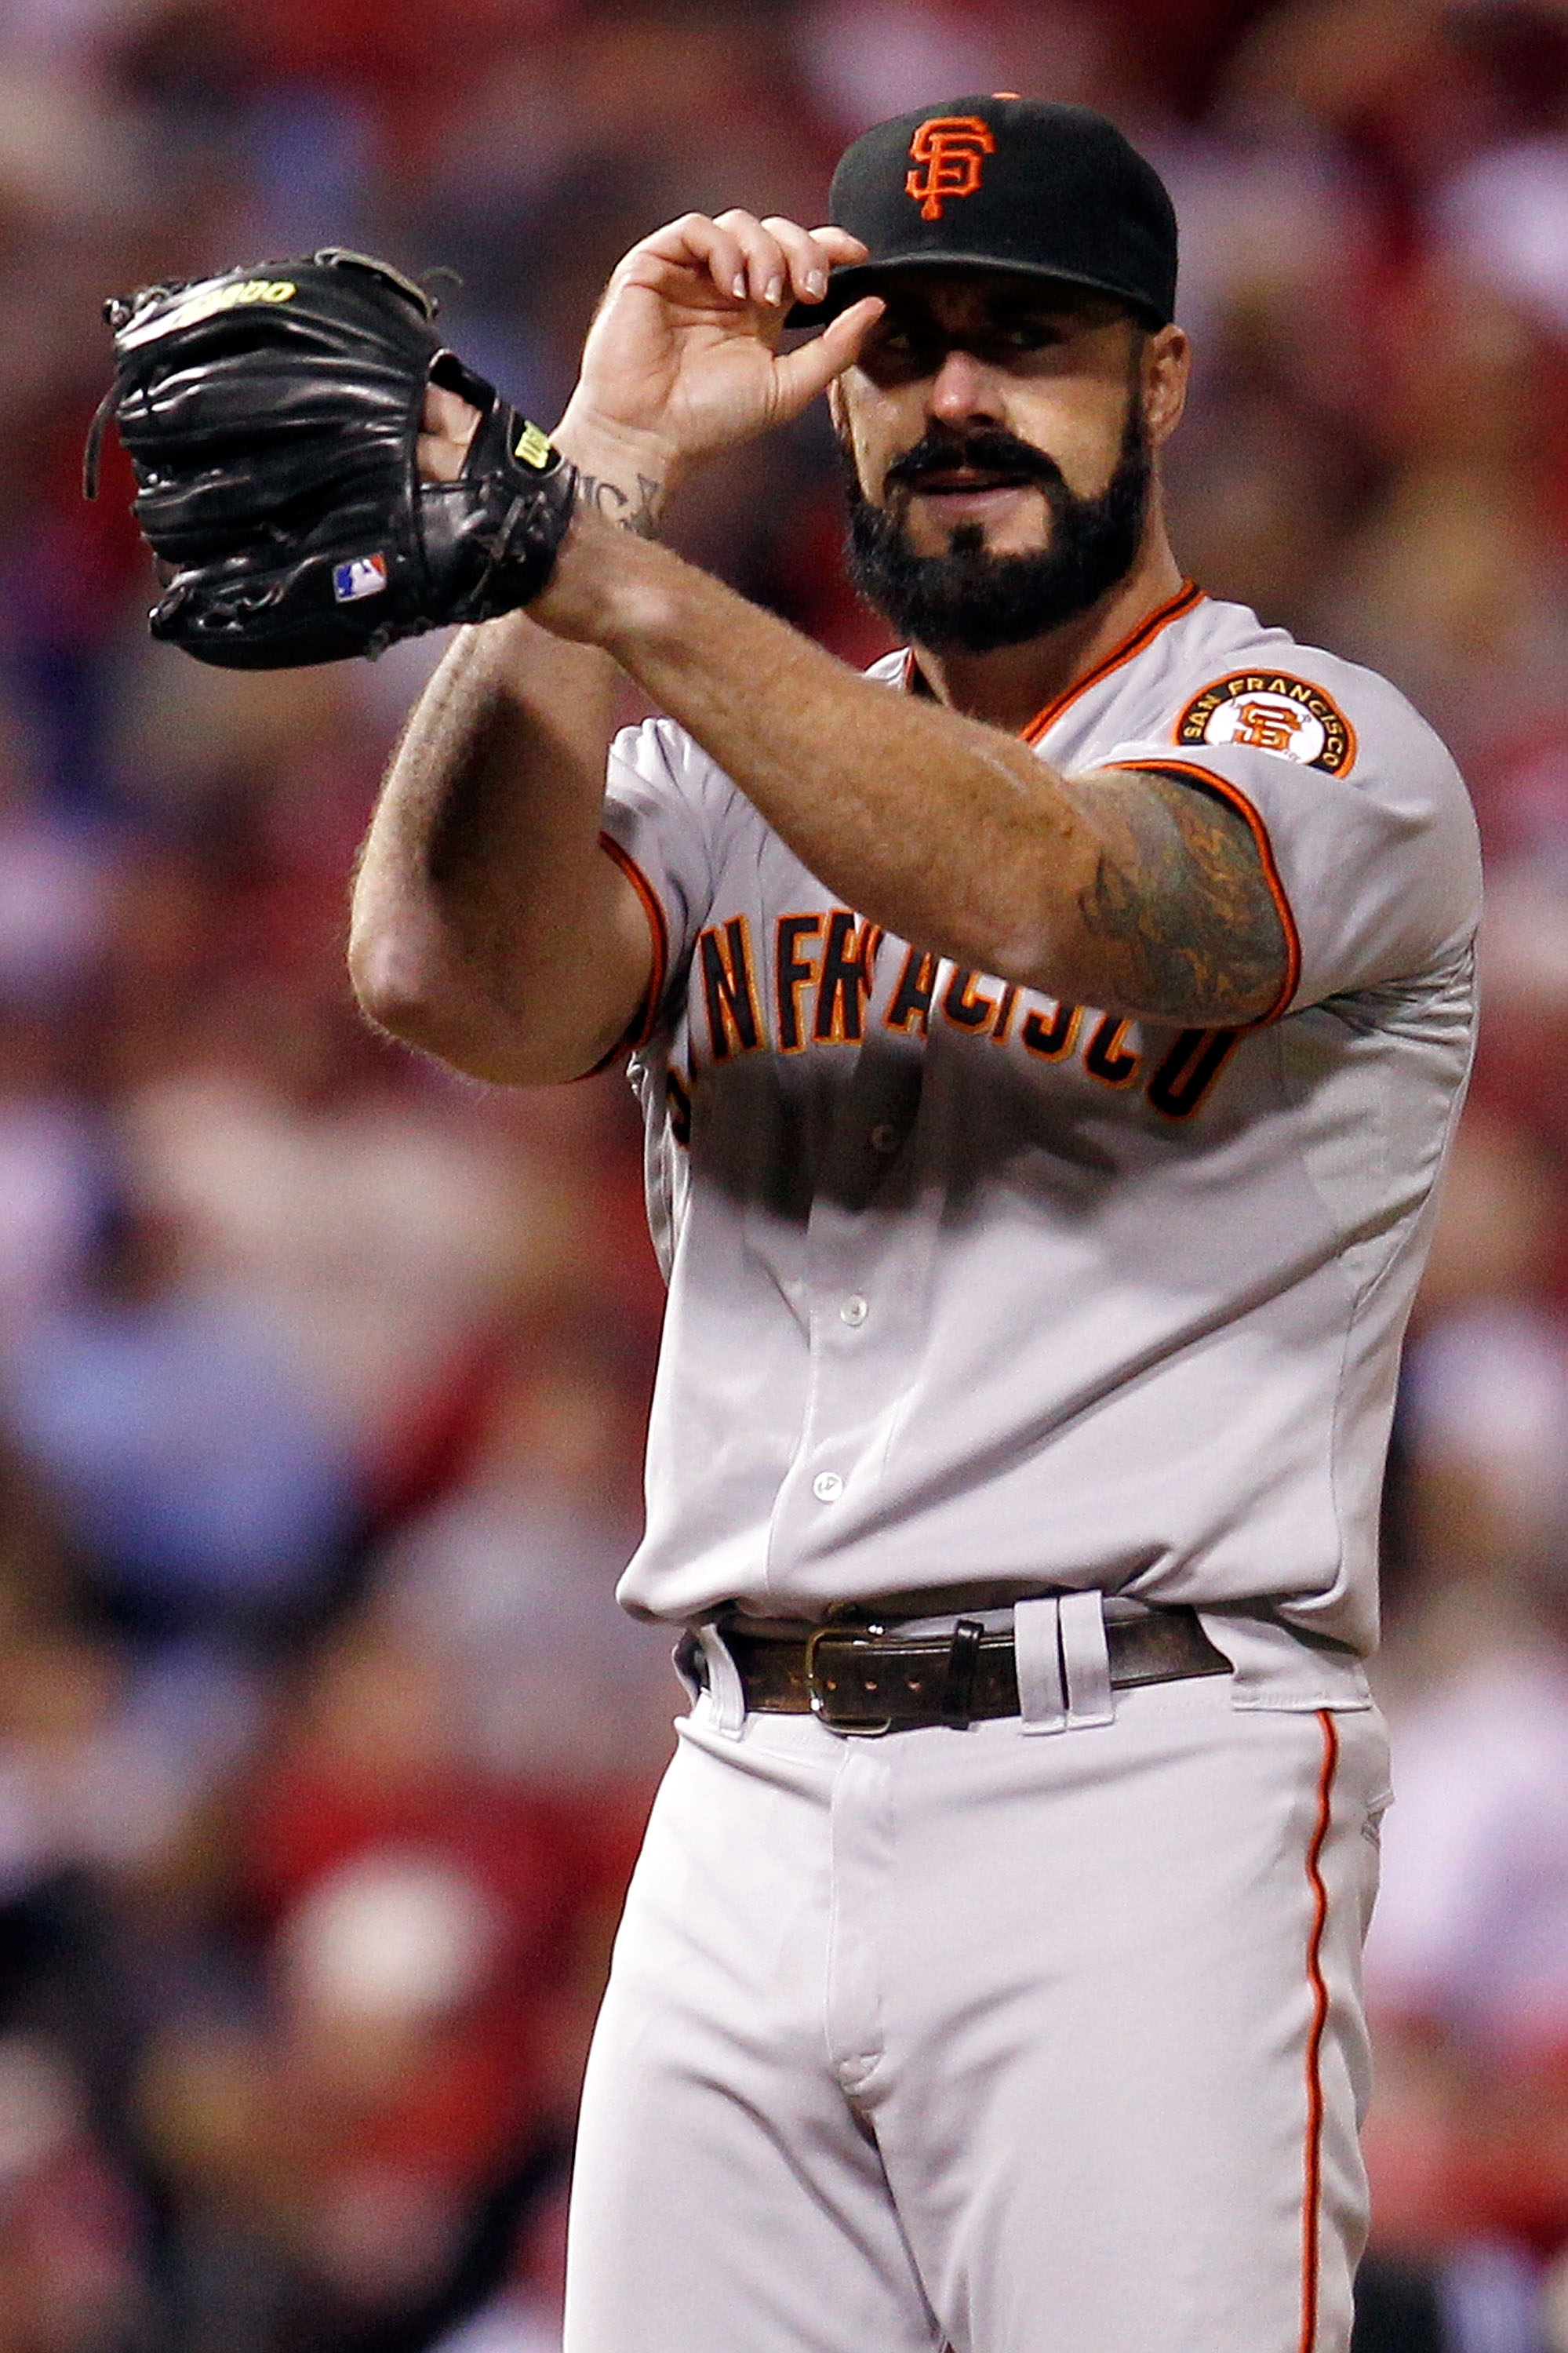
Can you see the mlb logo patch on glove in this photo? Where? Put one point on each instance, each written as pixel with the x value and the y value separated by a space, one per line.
pixel 362 576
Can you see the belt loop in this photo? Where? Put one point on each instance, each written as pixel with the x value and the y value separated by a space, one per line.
pixel 959 1677
pixel 726 1692
pixel 1086 1659
pixel 1036 1649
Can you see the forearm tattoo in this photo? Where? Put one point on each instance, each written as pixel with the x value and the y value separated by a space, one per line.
pixel 1180 901
pixel 638 513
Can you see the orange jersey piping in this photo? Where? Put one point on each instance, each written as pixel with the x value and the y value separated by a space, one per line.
pixel 1186 597
pixel 1244 807
pixel 912 680
pixel 642 1029
pixel 1313 2167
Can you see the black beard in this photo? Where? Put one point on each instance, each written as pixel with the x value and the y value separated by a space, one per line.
pixel 970 601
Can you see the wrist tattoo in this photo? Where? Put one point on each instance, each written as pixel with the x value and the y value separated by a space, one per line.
pixel 639 514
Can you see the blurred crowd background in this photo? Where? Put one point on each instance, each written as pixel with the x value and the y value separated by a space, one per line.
pixel 323 1751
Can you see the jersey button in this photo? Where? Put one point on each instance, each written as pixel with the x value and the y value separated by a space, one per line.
pixel 827 1486
pixel 883 1138
pixel 854 1311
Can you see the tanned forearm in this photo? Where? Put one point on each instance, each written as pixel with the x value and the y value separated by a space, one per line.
pixel 489 928
pixel 1131 891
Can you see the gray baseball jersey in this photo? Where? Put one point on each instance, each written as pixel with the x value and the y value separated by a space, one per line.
pixel 975 1293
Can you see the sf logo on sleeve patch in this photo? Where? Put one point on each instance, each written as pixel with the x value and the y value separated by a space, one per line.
pixel 1269 711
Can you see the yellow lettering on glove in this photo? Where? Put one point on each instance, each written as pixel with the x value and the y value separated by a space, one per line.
pixel 224 298
pixel 533 447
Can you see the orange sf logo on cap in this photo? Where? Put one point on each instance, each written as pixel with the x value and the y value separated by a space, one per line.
pixel 948 148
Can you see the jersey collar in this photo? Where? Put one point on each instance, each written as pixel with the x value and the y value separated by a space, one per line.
pixel 1189 594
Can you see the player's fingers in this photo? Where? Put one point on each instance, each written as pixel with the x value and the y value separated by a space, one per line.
pixel 692 242
pixel 766 264
pixel 849 330
pixel 447 412
pixel 811 367
pixel 838 246
pixel 438 461
pixel 808 260
pixel 450 423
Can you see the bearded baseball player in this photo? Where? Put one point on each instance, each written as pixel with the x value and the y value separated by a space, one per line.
pixel 1048 1042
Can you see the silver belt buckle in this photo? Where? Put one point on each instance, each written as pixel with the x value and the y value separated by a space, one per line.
pixel 854 1637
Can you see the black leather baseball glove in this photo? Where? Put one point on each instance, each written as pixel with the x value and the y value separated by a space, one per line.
pixel 272 416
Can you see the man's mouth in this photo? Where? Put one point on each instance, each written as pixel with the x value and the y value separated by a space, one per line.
pixel 949 482
pixel 953 477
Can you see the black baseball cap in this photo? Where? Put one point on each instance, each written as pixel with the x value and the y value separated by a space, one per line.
pixel 1003 182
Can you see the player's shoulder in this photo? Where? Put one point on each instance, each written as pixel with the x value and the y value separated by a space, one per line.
pixel 657 763
pixel 660 752
pixel 1232 679
pixel 661 788
pixel 890 670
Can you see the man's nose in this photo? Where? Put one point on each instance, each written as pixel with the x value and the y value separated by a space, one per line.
pixel 963 387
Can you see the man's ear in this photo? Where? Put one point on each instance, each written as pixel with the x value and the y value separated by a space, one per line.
pixel 1166 367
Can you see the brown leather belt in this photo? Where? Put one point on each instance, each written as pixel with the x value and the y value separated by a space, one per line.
pixel 858 1678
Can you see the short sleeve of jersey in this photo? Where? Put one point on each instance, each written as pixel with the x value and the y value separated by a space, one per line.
pixel 1374 862
pixel 665 805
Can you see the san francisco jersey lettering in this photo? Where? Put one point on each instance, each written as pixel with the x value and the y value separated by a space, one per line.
pixel 972 1289
pixel 823 1000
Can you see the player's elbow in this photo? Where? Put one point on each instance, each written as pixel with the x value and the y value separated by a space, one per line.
pixel 411 991
pixel 401 989
pixel 390 964
pixel 405 988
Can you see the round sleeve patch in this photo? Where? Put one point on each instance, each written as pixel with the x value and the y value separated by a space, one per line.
pixel 1269 711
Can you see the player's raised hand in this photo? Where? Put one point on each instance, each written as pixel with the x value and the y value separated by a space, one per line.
pixel 682 358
